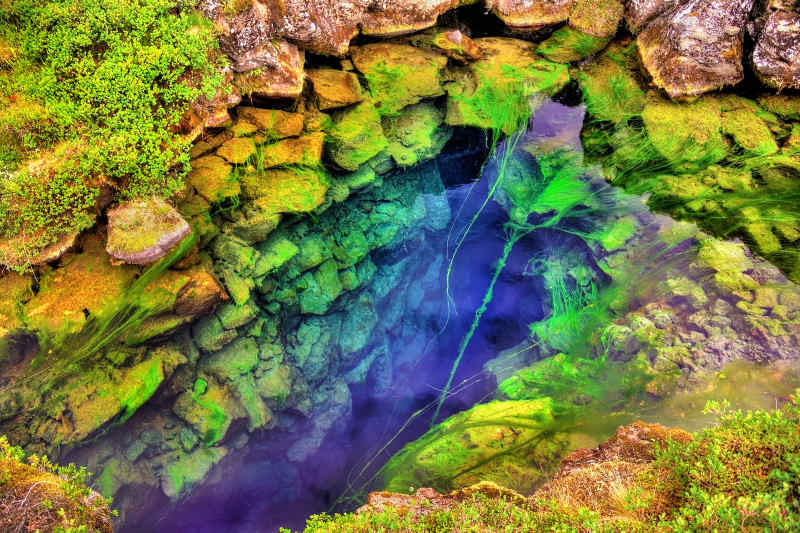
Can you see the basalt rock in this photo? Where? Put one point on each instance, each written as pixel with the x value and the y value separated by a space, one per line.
pixel 776 57
pixel 143 231
pixel 696 47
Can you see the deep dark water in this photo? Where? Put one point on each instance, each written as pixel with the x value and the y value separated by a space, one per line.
pixel 258 490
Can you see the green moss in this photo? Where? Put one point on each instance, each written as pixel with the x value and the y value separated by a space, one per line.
pixel 615 236
pixel 749 131
pixel 303 151
pixel 114 78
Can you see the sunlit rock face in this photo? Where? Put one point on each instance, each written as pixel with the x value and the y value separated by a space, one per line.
pixel 696 46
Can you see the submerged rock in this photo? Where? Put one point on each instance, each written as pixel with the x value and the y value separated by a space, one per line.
pixel 143 231
pixel 695 47
pixel 335 88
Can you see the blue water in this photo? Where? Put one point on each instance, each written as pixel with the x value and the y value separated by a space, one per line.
pixel 260 491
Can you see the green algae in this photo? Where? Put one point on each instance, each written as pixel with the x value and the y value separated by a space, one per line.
pixel 567 45
pixel 355 136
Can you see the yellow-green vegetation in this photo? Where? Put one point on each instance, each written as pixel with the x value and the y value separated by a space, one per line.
pixel 37 495
pixel 568 44
pixel 398 75
pixel 494 93
pixel 610 88
pixel 416 134
pixel 355 136
pixel 501 441
pixel 740 475
pixel 101 84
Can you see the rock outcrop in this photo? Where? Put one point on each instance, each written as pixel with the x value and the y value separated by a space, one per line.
pixel 776 57
pixel 696 46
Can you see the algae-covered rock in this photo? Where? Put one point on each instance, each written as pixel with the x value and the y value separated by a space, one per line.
pixel 237 150
pixel 17 289
pixel 611 90
pixel 398 74
pixel 211 176
pixel 531 15
pixel 335 88
pixel 687 135
pixel 236 359
pixel 302 151
pixel 696 47
pixel 356 136
pixel 209 409
pixel 143 231
pixel 475 446
pixel 273 123
pixel 58 309
pixel 320 289
pixel 749 131
pixel 511 72
pixel 183 471
pixel 568 44
pixel 96 399
pixel 289 190
pixel 415 135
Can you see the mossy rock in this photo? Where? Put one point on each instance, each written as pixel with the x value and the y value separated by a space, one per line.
pixel 275 253
pixel 399 75
pixel 320 289
pixel 688 135
pixel 356 136
pixel 610 88
pixel 568 44
pixel 209 409
pixel 235 360
pixel 143 231
pixel 302 151
pixel 237 150
pixel 335 88
pixel 105 396
pixel 415 135
pixel 494 92
pixel 86 285
pixel 213 178
pixel 274 124
pixel 500 441
pixel 749 131
pixel 287 190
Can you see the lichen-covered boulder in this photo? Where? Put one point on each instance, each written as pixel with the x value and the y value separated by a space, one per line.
pixel 776 56
pixel 696 47
pixel 237 150
pixel 143 231
pixel 524 14
pixel 399 74
pixel 335 88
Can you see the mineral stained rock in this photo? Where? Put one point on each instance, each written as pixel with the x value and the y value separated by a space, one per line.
pixel 696 47
pixel 776 57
